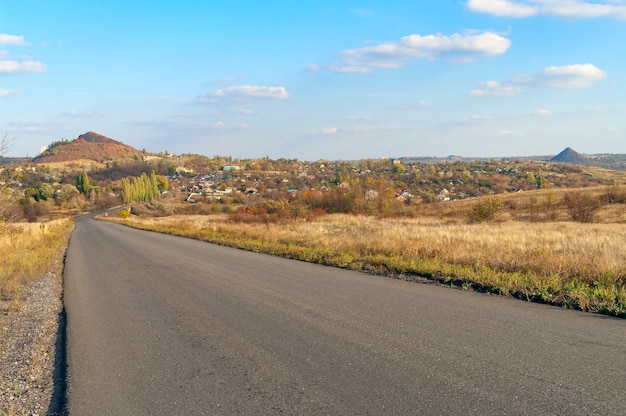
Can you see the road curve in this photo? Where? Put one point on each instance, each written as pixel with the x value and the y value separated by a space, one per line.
pixel 165 325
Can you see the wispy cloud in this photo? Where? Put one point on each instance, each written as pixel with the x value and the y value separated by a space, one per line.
pixel 420 105
pixel 185 122
pixel 6 93
pixel 16 67
pixel 542 112
pixel 244 93
pixel 567 76
pixel 395 54
pixel 495 88
pixel 246 112
pixel 360 12
pixel 510 133
pixel 561 8
pixel 11 66
pixel 79 114
pixel 12 40
pixel 36 126
pixel 326 131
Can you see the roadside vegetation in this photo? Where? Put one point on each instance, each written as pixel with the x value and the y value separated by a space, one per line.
pixel 561 247
pixel 29 251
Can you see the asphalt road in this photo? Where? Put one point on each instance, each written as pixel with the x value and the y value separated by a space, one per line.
pixel 160 325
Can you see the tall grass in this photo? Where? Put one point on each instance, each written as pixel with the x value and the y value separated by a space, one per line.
pixel 29 251
pixel 574 265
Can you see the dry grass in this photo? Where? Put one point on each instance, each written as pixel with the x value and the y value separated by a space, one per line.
pixel 570 264
pixel 29 251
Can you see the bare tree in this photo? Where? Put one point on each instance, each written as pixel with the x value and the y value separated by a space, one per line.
pixel 9 210
pixel 6 143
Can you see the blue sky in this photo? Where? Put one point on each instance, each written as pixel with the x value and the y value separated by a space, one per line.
pixel 317 79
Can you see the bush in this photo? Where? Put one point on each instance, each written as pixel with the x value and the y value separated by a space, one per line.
pixel 487 210
pixel 581 207
pixel 125 213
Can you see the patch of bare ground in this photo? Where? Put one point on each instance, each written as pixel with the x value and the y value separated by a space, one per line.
pixel 28 349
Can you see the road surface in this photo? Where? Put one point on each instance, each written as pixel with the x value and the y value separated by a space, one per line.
pixel 161 325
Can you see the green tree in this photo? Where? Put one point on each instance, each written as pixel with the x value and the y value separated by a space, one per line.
pixel 127 192
pixel 82 183
pixel 66 194
pixel 46 191
pixel 398 168
pixel 162 183
pixel 487 210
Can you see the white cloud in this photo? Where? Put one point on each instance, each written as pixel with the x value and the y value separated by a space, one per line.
pixel 15 67
pixel 394 54
pixel 329 130
pixel 502 8
pixel 561 8
pixel 510 133
pixel 567 76
pixel 245 92
pixel 495 88
pixel 541 112
pixel 12 40
pixel 6 93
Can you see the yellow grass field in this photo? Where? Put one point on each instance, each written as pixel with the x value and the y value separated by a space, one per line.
pixel 29 251
pixel 575 265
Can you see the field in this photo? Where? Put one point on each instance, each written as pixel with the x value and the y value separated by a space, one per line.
pixel 531 251
pixel 29 251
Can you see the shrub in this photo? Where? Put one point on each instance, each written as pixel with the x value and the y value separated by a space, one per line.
pixel 487 210
pixel 581 207
pixel 125 213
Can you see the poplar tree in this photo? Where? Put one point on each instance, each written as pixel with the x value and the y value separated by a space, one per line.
pixel 82 182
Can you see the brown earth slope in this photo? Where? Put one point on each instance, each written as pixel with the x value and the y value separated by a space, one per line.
pixel 91 146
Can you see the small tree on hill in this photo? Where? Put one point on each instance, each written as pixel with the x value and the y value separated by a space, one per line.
pixel 82 183
pixel 582 207
pixel 487 210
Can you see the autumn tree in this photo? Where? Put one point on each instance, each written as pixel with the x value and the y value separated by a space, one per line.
pixel 582 207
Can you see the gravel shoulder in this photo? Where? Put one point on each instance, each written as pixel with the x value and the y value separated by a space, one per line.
pixel 28 347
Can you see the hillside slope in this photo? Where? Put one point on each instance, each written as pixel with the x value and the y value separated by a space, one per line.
pixel 91 146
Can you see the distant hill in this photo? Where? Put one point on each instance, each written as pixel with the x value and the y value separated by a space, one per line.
pixel 90 146
pixel 569 155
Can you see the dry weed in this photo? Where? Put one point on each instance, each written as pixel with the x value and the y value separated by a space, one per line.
pixel 572 264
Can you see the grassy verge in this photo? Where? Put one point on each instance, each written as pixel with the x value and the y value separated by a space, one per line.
pixel 573 265
pixel 29 251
